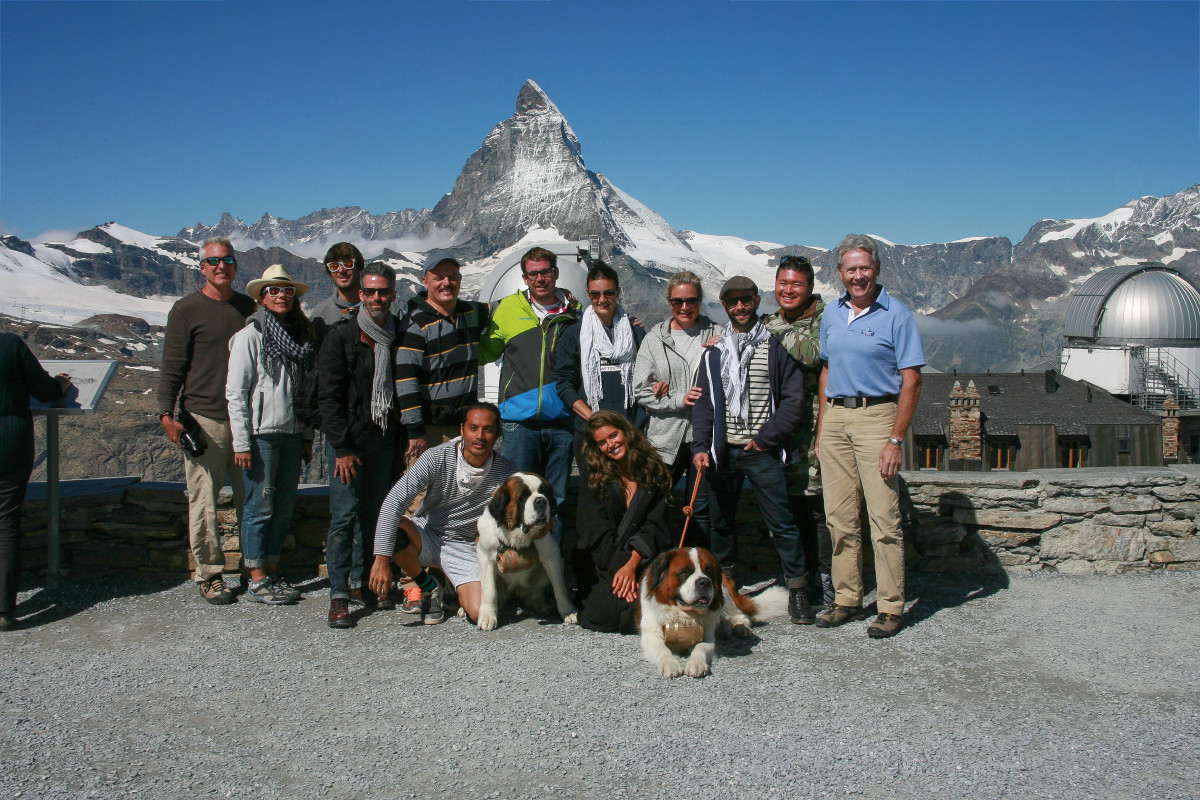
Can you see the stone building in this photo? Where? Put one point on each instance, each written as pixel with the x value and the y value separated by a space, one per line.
pixel 1023 421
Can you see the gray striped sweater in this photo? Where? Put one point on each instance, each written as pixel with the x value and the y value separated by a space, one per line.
pixel 444 512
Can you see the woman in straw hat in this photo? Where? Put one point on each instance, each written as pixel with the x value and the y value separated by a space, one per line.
pixel 269 360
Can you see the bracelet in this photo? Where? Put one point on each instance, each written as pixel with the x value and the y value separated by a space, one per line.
pixel 898 442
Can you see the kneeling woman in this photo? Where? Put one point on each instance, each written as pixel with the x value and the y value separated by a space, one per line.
pixel 268 360
pixel 629 483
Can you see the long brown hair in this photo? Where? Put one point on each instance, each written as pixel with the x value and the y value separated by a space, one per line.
pixel 646 468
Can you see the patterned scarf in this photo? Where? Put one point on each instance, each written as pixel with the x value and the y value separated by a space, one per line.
pixel 280 349
pixel 594 346
pixel 736 351
pixel 382 391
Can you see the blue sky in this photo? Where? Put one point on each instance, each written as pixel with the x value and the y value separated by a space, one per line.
pixel 792 122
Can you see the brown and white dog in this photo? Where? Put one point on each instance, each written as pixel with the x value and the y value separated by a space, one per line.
pixel 518 517
pixel 684 588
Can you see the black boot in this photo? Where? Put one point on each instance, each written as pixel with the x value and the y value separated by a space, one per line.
pixel 799 609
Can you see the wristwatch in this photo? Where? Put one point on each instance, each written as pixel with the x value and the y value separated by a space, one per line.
pixel 898 442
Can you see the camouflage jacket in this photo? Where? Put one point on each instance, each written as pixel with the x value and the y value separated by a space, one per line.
pixel 802 341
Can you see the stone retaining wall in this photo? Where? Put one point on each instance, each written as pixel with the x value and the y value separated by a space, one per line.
pixel 1075 521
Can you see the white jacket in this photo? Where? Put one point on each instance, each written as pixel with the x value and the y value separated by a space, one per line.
pixel 259 401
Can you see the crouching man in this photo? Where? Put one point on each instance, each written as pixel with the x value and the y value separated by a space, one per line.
pixel 458 478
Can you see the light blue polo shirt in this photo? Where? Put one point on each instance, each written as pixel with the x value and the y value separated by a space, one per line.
pixel 865 355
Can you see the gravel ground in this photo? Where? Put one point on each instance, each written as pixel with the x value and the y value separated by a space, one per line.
pixel 1023 687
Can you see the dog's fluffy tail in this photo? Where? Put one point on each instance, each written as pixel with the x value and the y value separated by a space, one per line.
pixel 765 605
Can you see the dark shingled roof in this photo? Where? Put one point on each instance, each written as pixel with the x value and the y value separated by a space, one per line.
pixel 1010 399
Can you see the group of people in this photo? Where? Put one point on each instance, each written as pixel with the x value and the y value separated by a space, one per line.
pixel 810 408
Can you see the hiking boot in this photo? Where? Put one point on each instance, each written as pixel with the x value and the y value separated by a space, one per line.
pixel 412 600
pixel 837 615
pixel 799 609
pixel 431 604
pixel 215 591
pixel 288 589
pixel 362 597
pixel 268 591
pixel 885 625
pixel 339 613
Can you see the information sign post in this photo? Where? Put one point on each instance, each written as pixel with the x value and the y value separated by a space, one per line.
pixel 89 379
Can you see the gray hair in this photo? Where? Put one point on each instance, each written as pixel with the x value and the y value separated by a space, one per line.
pixel 688 279
pixel 857 241
pixel 381 269
pixel 219 240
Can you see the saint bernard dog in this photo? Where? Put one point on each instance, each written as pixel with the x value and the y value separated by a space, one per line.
pixel 516 556
pixel 685 601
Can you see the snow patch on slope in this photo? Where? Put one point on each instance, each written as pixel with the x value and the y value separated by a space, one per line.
pixel 1107 222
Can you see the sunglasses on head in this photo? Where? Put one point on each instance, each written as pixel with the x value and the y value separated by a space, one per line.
pixel 340 266
pixel 680 302
pixel 794 261
pixel 212 261
pixel 286 291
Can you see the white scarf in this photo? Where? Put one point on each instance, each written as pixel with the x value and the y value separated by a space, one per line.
pixel 736 351
pixel 382 390
pixel 595 345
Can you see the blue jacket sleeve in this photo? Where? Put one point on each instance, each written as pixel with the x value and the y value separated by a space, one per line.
pixel 703 412
pixel 788 390
pixel 568 375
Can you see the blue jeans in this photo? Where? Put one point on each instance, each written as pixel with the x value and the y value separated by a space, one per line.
pixel 271 485
pixel 353 512
pixel 544 448
pixel 764 470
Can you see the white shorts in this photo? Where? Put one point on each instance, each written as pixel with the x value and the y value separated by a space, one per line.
pixel 455 558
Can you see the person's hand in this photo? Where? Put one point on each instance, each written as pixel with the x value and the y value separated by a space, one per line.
pixel 64 380
pixel 693 394
pixel 660 389
pixel 346 468
pixel 416 446
pixel 701 460
pixel 380 580
pixel 890 458
pixel 752 446
pixel 173 429
pixel 243 460
pixel 306 451
pixel 713 340
pixel 624 583
pixel 636 321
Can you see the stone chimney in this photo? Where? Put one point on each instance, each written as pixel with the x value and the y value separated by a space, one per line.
pixel 1051 381
pixel 966 428
pixel 1170 431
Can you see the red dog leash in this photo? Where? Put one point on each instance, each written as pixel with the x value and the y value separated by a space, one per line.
pixel 689 509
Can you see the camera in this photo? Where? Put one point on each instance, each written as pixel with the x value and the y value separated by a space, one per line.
pixel 191 440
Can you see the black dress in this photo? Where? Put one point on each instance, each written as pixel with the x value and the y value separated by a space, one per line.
pixel 608 535
pixel 20 376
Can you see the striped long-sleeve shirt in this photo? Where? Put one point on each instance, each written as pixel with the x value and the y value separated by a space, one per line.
pixel 446 511
pixel 437 363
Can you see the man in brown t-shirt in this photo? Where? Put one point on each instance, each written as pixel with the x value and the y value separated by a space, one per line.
pixel 194 369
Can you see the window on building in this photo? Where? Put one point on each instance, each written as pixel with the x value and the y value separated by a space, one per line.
pixel 1124 452
pixel 1073 454
pixel 929 455
pixel 1000 455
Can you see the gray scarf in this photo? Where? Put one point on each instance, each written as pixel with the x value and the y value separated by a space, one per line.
pixel 382 391
pixel 736 351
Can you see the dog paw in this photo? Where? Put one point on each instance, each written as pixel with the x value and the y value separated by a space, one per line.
pixel 571 619
pixel 742 631
pixel 670 667
pixel 697 667
pixel 487 620
pixel 462 612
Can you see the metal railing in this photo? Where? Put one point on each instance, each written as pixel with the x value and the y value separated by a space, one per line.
pixel 1158 375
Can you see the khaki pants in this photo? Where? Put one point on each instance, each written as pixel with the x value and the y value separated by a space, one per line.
pixel 851 440
pixel 205 477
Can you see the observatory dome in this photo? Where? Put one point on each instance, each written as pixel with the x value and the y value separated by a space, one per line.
pixel 1145 303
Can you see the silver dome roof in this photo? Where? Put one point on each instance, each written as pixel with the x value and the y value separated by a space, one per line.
pixel 1145 303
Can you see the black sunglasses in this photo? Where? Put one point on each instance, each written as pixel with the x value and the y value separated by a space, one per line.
pixel 680 302
pixel 602 293
pixel 380 292
pixel 794 261
pixel 212 261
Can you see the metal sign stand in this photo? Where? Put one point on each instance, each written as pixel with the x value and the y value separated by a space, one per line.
pixel 89 379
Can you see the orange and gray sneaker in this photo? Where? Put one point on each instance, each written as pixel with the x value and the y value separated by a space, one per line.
pixel 412 599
